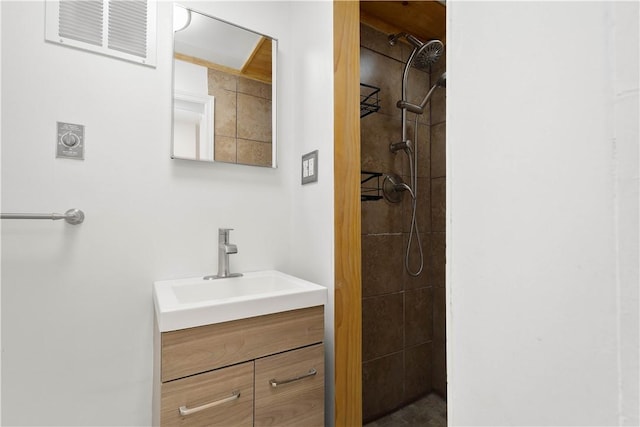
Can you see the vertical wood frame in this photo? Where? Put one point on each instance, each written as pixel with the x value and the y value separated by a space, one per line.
pixel 347 228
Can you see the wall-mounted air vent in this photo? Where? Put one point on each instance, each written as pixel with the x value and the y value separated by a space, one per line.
pixel 124 29
pixel 81 21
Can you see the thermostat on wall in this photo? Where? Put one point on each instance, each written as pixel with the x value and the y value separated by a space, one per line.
pixel 70 141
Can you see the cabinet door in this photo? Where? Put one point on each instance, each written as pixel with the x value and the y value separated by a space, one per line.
pixel 289 388
pixel 223 397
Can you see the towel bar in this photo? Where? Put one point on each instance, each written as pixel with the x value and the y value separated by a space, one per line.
pixel 72 216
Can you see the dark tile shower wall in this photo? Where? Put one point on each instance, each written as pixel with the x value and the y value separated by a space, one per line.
pixel 438 230
pixel 242 125
pixel 402 316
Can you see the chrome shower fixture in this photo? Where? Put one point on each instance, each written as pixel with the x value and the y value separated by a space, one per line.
pixel 419 109
pixel 393 39
pixel 424 54
pixel 442 80
pixel 394 147
pixel 393 188
pixel 428 54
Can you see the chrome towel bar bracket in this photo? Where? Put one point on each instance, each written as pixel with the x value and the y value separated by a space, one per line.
pixel 72 216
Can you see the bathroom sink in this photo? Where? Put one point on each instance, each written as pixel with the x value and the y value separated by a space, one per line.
pixel 186 303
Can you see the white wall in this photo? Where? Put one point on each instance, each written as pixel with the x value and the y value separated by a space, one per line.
pixel 541 194
pixel 193 133
pixel 192 78
pixel 0 225
pixel 77 313
pixel 626 45
pixel 312 239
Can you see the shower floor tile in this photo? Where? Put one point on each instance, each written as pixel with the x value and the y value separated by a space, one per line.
pixel 430 411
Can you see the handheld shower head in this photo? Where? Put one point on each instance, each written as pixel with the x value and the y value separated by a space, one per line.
pixel 419 109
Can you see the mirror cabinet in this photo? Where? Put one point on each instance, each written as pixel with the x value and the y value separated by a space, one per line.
pixel 224 91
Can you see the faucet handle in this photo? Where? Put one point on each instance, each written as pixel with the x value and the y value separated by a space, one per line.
pixel 223 234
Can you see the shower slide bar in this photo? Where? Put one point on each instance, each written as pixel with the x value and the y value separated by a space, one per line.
pixel 72 216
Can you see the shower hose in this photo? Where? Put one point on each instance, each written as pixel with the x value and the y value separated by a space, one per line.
pixel 413 176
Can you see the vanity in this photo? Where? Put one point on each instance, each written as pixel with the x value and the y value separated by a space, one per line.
pixel 233 351
pixel 242 351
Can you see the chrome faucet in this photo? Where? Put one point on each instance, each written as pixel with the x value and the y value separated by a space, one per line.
pixel 224 250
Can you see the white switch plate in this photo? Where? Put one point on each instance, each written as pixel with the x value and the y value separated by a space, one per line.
pixel 310 167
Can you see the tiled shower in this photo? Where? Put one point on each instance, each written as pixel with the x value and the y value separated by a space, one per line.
pixel 403 317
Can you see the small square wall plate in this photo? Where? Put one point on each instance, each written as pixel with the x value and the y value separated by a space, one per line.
pixel 310 167
pixel 70 141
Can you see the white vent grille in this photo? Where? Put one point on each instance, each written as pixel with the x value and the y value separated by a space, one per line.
pixel 81 20
pixel 128 27
pixel 124 29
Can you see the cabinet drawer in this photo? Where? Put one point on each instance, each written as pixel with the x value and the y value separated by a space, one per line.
pixel 204 390
pixel 194 350
pixel 299 402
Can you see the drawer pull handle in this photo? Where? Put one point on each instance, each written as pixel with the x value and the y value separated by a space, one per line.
pixel 276 383
pixel 184 411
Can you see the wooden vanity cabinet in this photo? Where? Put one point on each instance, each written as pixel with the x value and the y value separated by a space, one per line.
pixel 289 388
pixel 228 391
pixel 261 371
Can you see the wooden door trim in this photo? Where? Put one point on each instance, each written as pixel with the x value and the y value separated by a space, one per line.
pixel 348 270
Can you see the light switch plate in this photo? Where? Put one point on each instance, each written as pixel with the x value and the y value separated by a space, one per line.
pixel 310 167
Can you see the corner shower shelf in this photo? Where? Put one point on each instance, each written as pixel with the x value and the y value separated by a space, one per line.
pixel 369 99
pixel 370 192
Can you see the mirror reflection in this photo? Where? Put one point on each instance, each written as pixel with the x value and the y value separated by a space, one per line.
pixel 223 91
